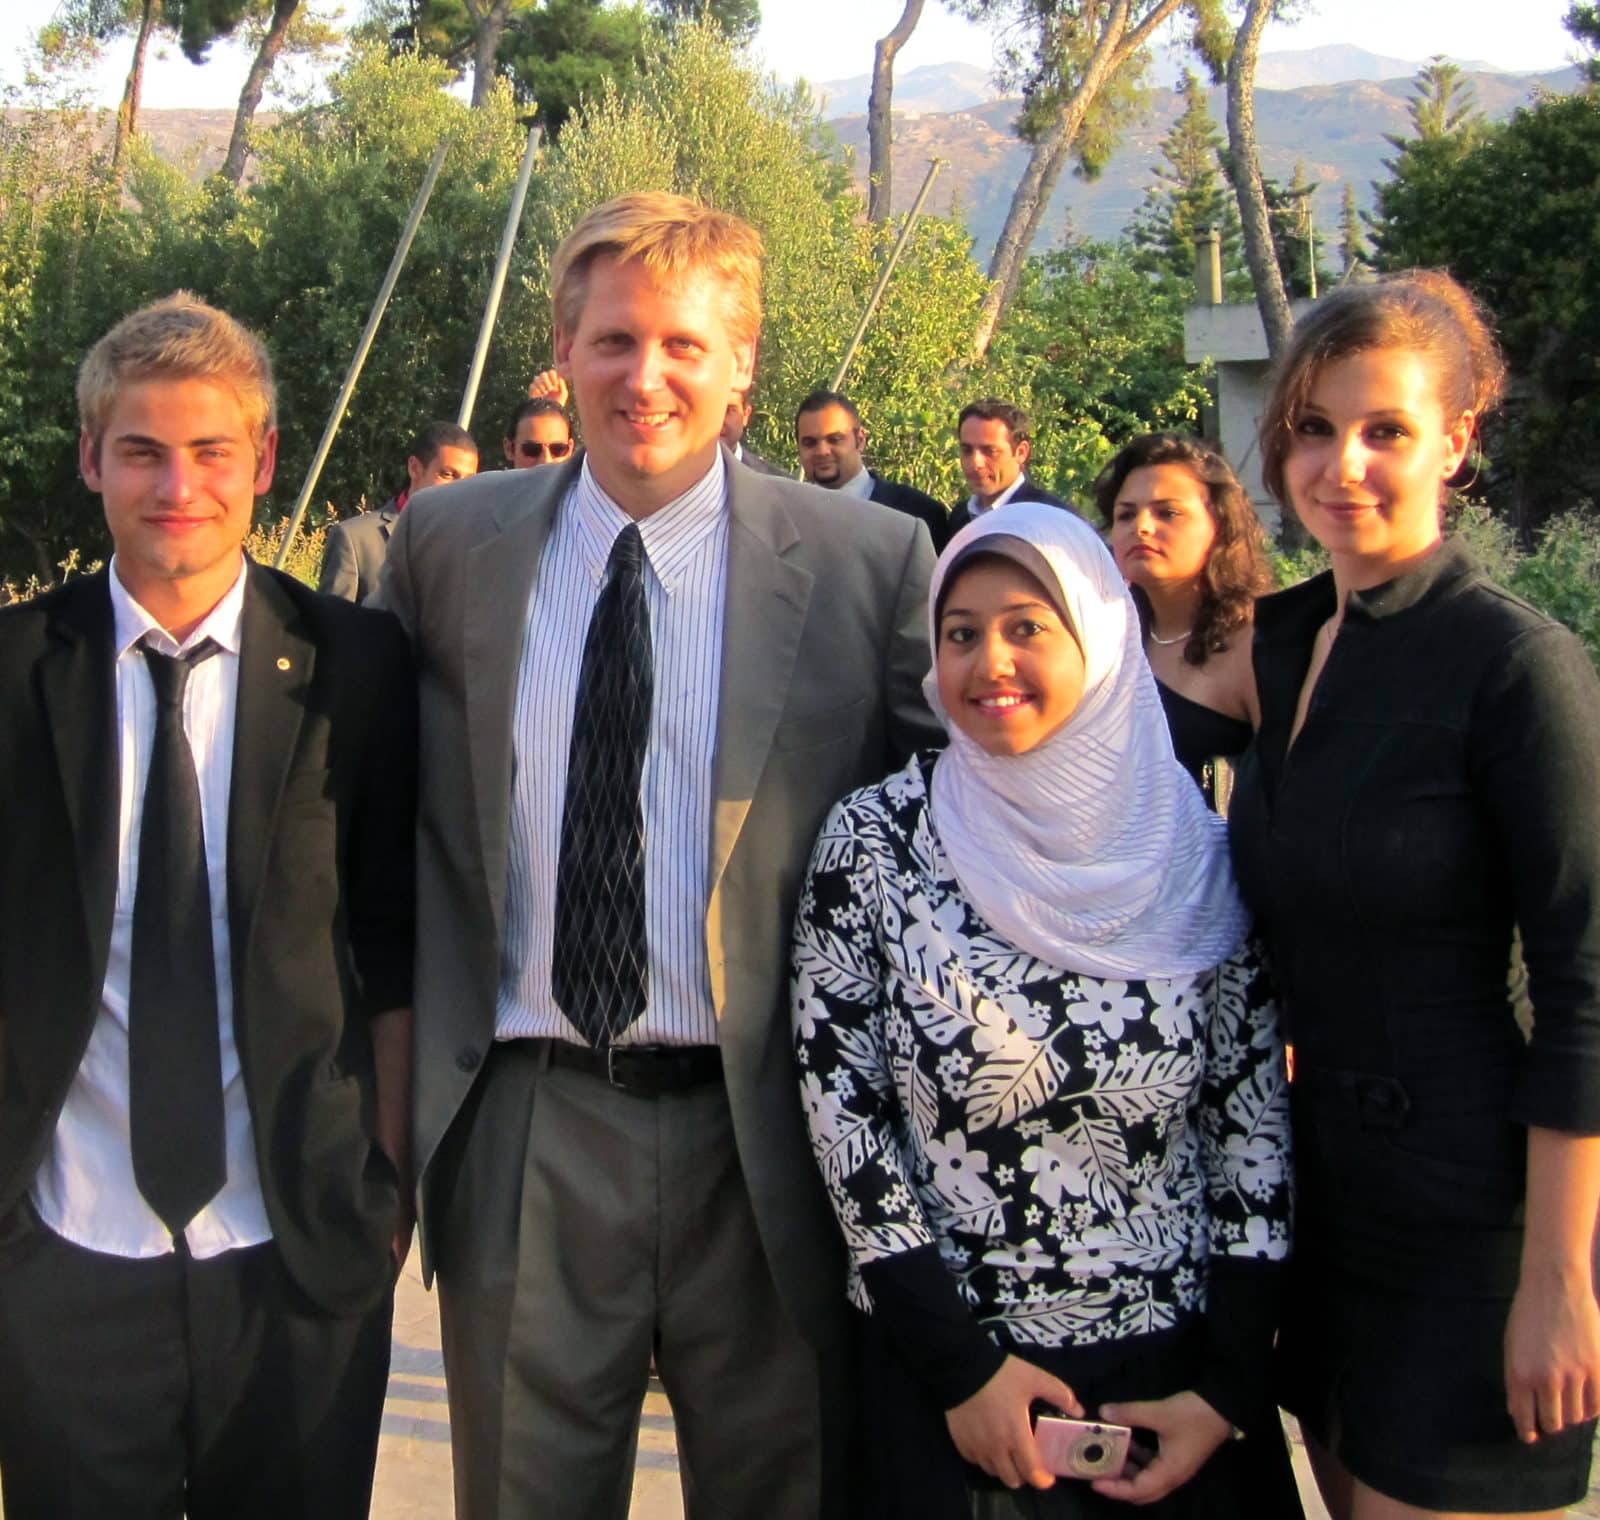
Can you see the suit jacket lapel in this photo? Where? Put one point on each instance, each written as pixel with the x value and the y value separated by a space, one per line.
pixel 500 573
pixel 277 660
pixel 77 680
pixel 762 621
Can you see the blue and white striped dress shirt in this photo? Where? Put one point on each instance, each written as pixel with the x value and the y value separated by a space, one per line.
pixel 686 557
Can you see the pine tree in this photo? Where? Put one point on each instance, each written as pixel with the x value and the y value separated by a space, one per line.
pixel 1353 249
pixel 1295 238
pixel 1189 196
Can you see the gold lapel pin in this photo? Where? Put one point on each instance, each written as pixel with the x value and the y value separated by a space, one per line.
pixel 283 662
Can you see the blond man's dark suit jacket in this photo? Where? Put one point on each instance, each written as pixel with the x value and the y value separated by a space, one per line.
pixel 824 651
pixel 320 819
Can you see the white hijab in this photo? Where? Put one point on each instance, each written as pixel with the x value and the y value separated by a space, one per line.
pixel 1094 850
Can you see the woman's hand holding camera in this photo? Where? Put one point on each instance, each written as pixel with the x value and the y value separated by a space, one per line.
pixel 1187 1431
pixel 993 1430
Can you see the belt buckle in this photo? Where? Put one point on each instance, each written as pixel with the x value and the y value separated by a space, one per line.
pixel 621 1080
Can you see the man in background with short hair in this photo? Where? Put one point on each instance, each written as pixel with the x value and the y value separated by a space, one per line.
pixel 539 432
pixel 996 442
pixel 353 551
pixel 831 439
pixel 734 421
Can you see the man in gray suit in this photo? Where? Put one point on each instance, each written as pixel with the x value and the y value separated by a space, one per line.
pixel 352 554
pixel 646 675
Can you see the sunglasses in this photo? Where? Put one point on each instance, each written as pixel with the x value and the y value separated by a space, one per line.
pixel 531 449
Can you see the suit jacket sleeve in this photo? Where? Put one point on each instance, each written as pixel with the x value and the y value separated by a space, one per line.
pixel 383 828
pixel 912 725
pixel 340 575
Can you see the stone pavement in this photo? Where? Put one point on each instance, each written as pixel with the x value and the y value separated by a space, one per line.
pixel 413 1481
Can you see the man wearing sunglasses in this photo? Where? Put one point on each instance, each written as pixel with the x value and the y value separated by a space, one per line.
pixel 538 433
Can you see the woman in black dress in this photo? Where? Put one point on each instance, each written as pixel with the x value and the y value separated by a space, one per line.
pixel 1188 542
pixel 1416 829
pixel 1040 1066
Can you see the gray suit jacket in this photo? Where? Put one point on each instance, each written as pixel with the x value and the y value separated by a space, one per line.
pixel 825 648
pixel 352 553
pixel 753 461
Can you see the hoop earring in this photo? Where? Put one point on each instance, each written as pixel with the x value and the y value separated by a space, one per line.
pixel 1454 482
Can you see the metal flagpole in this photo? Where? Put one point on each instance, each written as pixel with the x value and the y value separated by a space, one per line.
pixel 359 359
pixel 497 285
pixel 934 165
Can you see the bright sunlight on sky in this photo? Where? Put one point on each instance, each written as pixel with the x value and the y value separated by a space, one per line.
pixel 833 39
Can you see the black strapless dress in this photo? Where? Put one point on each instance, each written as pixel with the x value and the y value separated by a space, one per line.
pixel 1201 735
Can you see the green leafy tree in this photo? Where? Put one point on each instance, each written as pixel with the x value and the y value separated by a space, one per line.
pixel 1079 62
pixel 569 50
pixel 1583 21
pixel 738 20
pixel 1095 352
pixel 1189 196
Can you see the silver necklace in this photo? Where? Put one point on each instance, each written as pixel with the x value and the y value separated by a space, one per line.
pixel 1177 638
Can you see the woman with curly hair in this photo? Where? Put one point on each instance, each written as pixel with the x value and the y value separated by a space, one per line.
pixel 1186 539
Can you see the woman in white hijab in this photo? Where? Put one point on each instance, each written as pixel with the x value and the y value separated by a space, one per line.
pixel 1041 1069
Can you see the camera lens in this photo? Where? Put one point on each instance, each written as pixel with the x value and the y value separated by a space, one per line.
pixel 1094 1452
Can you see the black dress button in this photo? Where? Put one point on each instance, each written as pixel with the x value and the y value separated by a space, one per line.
pixel 468 1059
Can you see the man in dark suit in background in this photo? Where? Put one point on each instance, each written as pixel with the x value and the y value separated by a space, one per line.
pixel 830 437
pixel 995 441
pixel 205 979
pixel 352 554
pixel 734 421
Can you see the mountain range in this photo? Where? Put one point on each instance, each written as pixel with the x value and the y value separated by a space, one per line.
pixel 1336 130
pixel 1334 126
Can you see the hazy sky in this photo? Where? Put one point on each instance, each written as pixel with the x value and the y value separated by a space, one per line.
pixel 833 39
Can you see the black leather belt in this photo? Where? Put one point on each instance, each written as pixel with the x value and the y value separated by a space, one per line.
pixel 646 1071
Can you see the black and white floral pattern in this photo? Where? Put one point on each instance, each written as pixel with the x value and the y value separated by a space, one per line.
pixel 1077 1148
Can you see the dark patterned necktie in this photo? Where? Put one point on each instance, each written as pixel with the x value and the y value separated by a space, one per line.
pixel 174 1048
pixel 598 971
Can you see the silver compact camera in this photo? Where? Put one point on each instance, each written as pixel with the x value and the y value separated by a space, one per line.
pixel 1082 1448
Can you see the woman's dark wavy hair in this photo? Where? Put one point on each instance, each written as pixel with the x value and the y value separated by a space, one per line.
pixel 1235 572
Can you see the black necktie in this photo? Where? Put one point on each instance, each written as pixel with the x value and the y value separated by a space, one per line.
pixel 174 1049
pixel 598 971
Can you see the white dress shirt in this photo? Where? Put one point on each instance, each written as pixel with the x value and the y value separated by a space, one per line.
pixel 685 587
pixel 859 484
pixel 86 1191
pixel 976 508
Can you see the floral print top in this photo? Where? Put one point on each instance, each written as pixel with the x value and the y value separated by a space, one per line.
pixel 1076 1148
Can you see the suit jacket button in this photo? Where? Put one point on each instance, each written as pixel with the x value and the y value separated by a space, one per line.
pixel 468 1059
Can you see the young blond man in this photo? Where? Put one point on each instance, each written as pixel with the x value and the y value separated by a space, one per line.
pixel 649 673
pixel 205 972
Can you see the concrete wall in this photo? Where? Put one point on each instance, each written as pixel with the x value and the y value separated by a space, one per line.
pixel 1233 336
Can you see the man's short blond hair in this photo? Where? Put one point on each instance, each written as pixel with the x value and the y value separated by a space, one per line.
pixel 178 337
pixel 674 238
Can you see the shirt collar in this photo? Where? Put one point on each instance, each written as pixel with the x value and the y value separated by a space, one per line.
pixel 859 485
pixel 132 624
pixel 671 535
pixel 976 508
